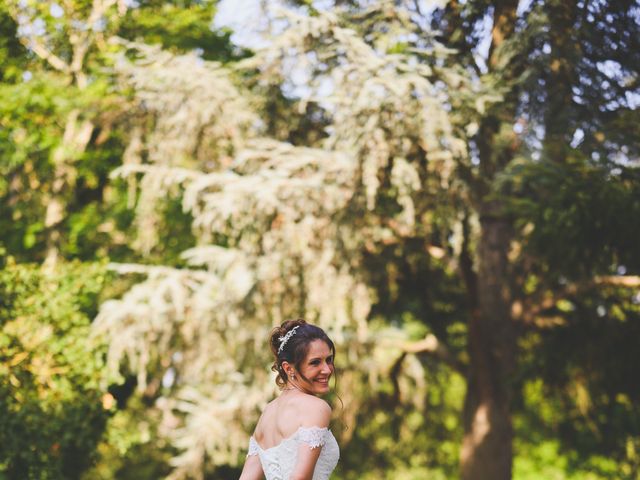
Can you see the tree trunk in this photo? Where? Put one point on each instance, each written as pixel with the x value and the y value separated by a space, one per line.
pixel 77 133
pixel 487 452
pixel 487 445
pixel 74 142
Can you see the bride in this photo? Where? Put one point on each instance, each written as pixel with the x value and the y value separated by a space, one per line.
pixel 292 440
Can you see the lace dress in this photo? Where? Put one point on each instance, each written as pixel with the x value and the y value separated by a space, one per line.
pixel 278 462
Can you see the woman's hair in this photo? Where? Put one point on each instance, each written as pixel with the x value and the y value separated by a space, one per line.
pixel 296 345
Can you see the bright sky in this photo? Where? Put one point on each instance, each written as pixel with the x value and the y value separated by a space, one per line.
pixel 245 18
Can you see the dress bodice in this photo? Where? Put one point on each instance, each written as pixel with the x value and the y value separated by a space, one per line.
pixel 278 462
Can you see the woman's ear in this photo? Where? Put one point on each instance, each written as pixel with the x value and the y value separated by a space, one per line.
pixel 289 369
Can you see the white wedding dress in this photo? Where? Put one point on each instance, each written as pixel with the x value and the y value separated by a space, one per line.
pixel 278 462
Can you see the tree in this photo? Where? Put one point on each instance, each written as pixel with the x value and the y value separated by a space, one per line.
pixel 536 56
pixel 60 168
pixel 60 136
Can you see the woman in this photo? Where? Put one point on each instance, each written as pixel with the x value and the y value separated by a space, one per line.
pixel 292 440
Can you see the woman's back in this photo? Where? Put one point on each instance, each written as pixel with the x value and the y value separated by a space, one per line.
pixel 280 420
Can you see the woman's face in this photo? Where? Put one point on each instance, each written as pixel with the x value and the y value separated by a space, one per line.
pixel 317 368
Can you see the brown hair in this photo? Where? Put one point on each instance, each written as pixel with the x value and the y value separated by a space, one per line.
pixel 297 346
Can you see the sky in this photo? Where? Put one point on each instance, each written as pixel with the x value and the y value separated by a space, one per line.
pixel 245 18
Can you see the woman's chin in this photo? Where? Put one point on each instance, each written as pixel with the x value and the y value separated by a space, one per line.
pixel 321 388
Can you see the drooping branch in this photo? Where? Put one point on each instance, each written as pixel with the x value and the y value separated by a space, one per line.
pixel 430 346
pixel 531 311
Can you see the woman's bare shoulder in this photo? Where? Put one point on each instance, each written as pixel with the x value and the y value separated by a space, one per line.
pixel 315 412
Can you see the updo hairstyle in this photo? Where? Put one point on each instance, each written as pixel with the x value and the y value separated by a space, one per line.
pixel 296 348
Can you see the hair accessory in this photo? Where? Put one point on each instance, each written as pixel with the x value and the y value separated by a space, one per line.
pixel 284 339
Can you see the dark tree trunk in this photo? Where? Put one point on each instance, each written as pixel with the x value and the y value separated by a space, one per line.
pixel 487 446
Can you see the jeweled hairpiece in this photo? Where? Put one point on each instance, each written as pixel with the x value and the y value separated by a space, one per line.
pixel 285 338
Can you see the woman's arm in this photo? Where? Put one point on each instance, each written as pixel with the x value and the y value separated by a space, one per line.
pixel 318 416
pixel 252 469
pixel 306 464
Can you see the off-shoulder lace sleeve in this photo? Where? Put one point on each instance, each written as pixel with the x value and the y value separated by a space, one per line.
pixel 313 436
pixel 253 447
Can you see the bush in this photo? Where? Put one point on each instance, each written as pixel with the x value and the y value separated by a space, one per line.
pixel 51 405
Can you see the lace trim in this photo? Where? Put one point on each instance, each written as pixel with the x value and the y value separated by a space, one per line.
pixel 313 436
pixel 253 447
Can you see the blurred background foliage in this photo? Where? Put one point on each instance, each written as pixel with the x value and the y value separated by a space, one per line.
pixel 53 405
pixel 561 98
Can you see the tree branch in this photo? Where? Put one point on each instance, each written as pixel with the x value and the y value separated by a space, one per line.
pixel 37 47
pixel 629 281
pixel 431 346
pixel 40 50
pixel 529 311
pixel 82 40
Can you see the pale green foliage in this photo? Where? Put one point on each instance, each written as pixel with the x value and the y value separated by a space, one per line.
pixel 199 122
pixel 384 105
pixel 219 318
pixel 274 224
pixel 195 115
